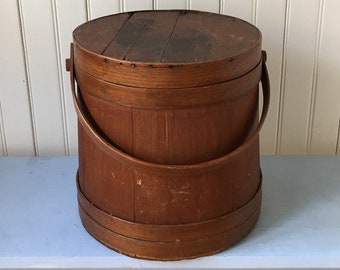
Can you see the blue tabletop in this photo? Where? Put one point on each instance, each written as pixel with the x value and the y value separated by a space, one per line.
pixel 299 225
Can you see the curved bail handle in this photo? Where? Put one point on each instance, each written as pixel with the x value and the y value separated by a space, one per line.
pixel 114 152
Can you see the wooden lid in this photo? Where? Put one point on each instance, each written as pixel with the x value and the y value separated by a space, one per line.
pixel 177 48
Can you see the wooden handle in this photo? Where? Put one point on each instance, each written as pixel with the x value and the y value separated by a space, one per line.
pixel 117 154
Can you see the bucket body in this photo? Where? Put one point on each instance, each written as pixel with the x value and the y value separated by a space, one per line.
pixel 167 104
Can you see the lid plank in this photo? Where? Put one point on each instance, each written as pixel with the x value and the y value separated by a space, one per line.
pixel 167 48
pixel 143 37
pixel 167 36
pixel 95 35
pixel 200 37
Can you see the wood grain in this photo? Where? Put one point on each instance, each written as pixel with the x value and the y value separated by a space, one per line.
pixel 161 154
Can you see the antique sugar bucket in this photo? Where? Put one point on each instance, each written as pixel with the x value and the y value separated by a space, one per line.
pixel 167 105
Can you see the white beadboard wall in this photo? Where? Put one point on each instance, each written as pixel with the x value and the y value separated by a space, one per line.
pixel 301 37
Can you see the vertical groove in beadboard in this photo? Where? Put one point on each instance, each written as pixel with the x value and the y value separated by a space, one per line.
pixel 60 76
pixel 154 4
pixel 221 6
pixel 124 5
pixel 188 4
pixel 315 77
pixel 121 5
pixel 255 7
pixel 28 77
pixel 2 133
pixel 88 10
pixel 283 77
pixel 337 150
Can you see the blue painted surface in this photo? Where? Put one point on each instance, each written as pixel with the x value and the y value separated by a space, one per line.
pixel 299 224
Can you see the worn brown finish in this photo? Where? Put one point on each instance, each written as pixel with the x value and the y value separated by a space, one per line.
pixel 194 239
pixel 202 49
pixel 167 104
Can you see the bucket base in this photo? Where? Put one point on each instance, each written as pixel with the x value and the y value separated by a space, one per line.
pixel 169 242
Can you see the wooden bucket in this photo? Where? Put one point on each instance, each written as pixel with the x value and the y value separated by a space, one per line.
pixel 167 103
